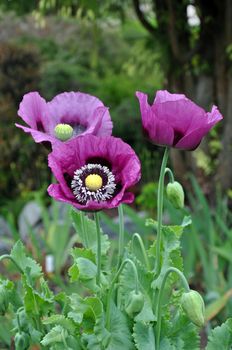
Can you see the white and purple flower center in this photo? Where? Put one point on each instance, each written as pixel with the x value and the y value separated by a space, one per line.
pixel 93 182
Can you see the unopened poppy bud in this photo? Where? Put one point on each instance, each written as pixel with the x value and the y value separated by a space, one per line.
pixel 135 303
pixel 175 194
pixel 22 341
pixel 63 132
pixel 194 307
pixel 4 299
pixel 23 320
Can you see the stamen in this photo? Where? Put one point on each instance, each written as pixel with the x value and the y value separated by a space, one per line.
pixel 93 182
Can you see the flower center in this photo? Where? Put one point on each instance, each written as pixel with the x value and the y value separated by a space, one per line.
pixel 63 132
pixel 93 182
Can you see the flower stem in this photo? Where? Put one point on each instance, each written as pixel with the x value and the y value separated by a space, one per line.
pixel 159 300
pixel 139 239
pixel 126 261
pixel 96 216
pixel 160 210
pixel 170 173
pixel 7 256
pixel 86 242
pixel 121 236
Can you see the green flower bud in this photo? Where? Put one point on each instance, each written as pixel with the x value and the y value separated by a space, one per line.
pixel 23 320
pixel 63 132
pixel 175 194
pixel 135 303
pixel 194 307
pixel 22 341
pixel 4 299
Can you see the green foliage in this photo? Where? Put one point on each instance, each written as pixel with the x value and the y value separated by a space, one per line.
pixel 26 264
pixel 221 337
pixel 144 336
pixel 87 232
pixel 19 73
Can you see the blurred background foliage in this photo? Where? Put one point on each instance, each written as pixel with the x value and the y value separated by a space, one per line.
pixel 109 59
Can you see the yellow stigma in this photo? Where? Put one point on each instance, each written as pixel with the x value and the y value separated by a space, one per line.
pixel 93 182
pixel 63 132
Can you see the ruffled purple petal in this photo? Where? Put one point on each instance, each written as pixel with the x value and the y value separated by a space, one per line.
pixel 180 113
pixel 193 138
pixel 165 96
pixel 33 110
pixel 158 130
pixel 38 136
pixel 80 108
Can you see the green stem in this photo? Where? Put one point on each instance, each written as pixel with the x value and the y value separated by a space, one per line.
pixel 64 340
pixel 121 236
pixel 170 174
pixel 159 301
pixel 126 261
pixel 86 242
pixel 18 323
pixel 96 216
pixel 160 210
pixel 139 239
pixel 7 256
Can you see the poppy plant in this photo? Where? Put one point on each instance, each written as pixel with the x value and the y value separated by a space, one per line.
pixel 68 115
pixel 175 121
pixel 94 173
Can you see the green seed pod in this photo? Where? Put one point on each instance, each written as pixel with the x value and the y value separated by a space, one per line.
pixel 135 303
pixel 175 194
pixel 194 307
pixel 22 341
pixel 63 132
pixel 4 299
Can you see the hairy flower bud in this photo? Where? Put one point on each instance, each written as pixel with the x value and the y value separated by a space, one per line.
pixel 175 194
pixel 22 341
pixel 4 299
pixel 194 307
pixel 135 303
pixel 63 132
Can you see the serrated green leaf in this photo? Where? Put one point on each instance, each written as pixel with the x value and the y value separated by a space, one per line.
pixel 127 284
pixel 180 332
pixel 170 254
pixel 143 335
pixel 62 321
pixel 86 230
pixel 36 303
pixel 78 306
pixel 56 335
pixel 221 337
pixel 90 342
pixel 73 273
pixel 87 270
pixel 35 335
pixel 83 253
pixel 120 334
pixel 146 315
pixel 27 264
pixel 166 345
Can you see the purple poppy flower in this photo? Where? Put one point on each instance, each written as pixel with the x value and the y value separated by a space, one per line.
pixel 77 113
pixel 94 173
pixel 174 120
